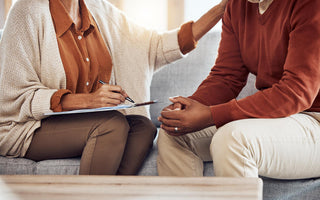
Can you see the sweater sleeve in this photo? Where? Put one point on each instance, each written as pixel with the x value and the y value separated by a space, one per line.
pixel 55 101
pixel 24 97
pixel 228 76
pixel 186 39
pixel 300 82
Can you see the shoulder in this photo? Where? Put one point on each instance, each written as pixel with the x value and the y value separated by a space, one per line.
pixel 29 12
pixel 26 20
pixel 105 13
pixel 305 6
pixel 238 5
pixel 239 10
pixel 101 7
pixel 108 15
pixel 29 7
pixel 305 12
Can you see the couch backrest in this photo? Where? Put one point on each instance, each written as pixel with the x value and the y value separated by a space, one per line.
pixel 184 76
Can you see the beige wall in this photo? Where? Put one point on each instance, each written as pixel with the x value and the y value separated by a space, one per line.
pixel 175 11
pixel 4 9
pixel 2 13
pixel 117 3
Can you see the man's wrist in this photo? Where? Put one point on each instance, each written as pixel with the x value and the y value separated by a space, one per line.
pixel 209 117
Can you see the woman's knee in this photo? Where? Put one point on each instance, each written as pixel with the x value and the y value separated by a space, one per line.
pixel 112 123
pixel 142 125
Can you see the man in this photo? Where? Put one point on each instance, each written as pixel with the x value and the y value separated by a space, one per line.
pixel 273 133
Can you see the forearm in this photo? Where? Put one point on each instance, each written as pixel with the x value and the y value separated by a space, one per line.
pixel 207 21
pixel 105 96
pixel 75 101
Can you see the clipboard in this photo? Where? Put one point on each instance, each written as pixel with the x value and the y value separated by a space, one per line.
pixel 102 109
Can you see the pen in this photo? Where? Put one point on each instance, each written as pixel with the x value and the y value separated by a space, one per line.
pixel 127 98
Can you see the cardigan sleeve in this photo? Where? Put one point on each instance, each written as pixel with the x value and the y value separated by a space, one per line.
pixel 24 97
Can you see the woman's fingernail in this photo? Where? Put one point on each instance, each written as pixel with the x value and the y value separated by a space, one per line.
pixel 173 97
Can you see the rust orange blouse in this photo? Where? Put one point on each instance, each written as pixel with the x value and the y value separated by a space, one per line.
pixel 84 54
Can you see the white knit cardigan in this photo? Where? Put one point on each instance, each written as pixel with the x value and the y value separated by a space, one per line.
pixel 31 69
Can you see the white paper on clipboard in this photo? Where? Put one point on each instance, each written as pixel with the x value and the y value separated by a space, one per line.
pixel 102 109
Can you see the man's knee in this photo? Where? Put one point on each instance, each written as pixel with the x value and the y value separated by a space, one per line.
pixel 165 140
pixel 162 138
pixel 229 139
pixel 233 133
pixel 229 146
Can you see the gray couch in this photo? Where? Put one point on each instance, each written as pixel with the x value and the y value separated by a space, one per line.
pixel 180 78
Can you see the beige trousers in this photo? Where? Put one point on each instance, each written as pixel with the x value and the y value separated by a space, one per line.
pixel 284 148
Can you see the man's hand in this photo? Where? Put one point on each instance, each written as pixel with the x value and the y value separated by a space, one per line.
pixel 185 116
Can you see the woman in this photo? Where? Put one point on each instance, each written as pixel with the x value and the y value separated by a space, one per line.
pixel 62 49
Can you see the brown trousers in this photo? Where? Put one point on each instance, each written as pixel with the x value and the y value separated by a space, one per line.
pixel 109 143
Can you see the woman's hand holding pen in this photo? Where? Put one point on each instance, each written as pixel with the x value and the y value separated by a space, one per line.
pixel 108 95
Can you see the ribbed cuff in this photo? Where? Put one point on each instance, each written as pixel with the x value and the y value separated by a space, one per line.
pixel 56 100
pixel 186 39
pixel 41 103
pixel 222 113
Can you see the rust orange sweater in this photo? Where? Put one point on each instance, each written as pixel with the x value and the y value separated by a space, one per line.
pixel 281 47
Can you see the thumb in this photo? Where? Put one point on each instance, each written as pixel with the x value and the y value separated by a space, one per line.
pixel 182 100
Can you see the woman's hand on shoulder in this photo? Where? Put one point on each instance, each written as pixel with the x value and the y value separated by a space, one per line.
pixel 223 3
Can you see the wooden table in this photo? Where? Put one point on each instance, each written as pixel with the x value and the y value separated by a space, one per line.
pixel 127 187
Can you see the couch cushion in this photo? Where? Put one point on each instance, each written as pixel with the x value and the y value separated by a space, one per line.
pixel 17 166
pixel 58 167
pixel 149 167
pixel 308 189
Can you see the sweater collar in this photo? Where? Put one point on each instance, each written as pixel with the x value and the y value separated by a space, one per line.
pixel 263 4
pixel 255 1
pixel 63 22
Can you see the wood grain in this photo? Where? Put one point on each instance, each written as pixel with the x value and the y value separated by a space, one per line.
pixel 127 187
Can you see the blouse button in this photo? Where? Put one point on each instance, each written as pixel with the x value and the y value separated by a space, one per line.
pixel 79 37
